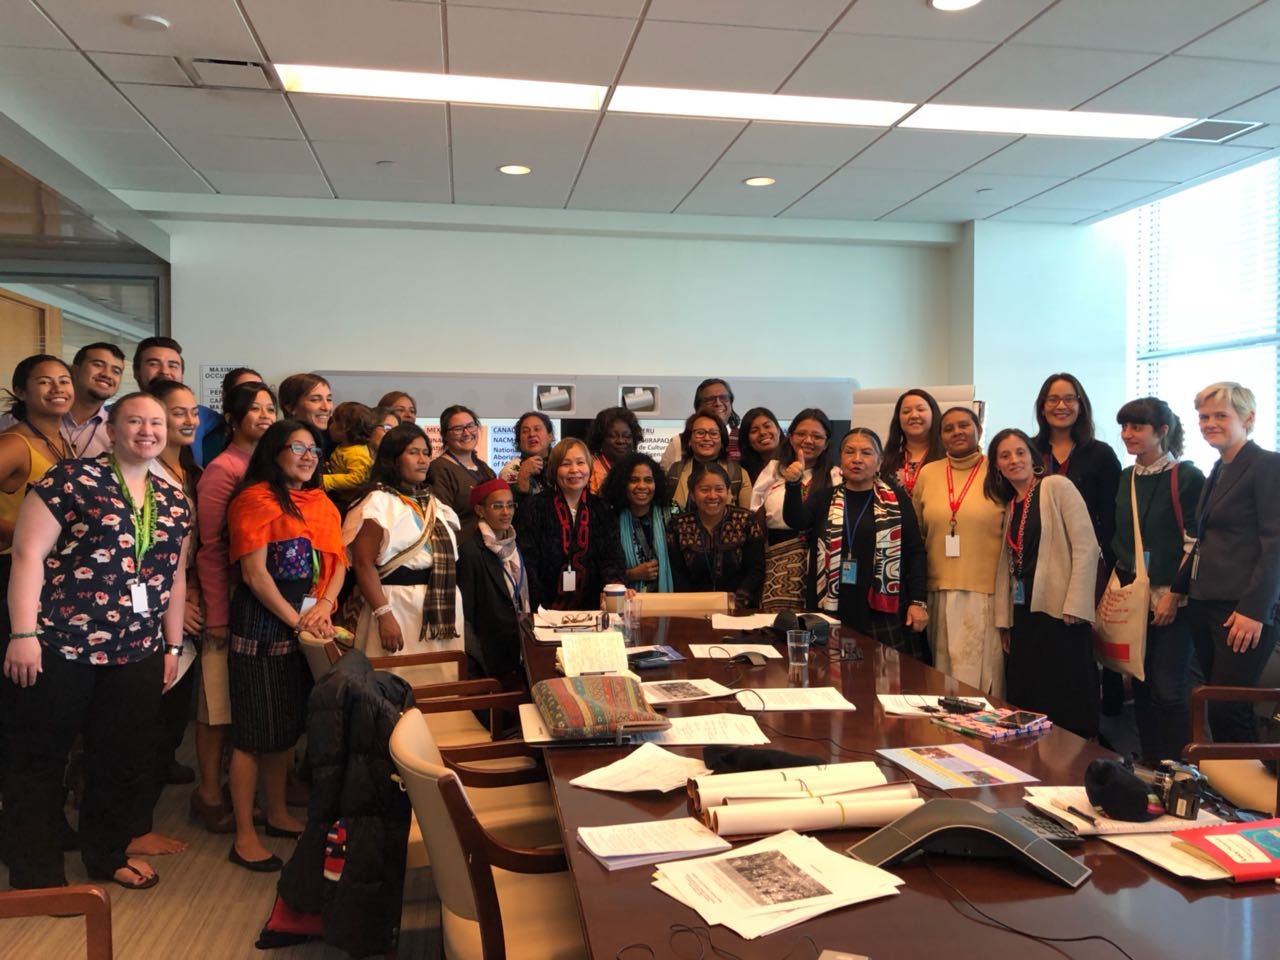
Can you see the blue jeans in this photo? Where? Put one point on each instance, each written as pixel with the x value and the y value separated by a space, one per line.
pixel 1160 702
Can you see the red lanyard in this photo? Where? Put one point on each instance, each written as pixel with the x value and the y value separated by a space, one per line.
pixel 1016 547
pixel 909 473
pixel 951 490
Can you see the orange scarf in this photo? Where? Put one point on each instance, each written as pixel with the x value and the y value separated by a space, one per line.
pixel 255 519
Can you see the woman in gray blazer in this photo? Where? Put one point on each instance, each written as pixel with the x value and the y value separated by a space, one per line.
pixel 1233 576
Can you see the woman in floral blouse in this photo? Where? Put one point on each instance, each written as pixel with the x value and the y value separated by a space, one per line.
pixel 94 599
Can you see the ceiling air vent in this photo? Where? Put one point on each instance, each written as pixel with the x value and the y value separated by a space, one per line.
pixel 243 74
pixel 1213 131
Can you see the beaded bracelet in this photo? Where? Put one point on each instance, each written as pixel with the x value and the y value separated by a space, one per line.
pixel 26 634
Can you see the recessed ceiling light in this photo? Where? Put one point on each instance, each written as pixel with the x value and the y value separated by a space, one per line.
pixel 675 102
pixel 948 6
pixel 1045 123
pixel 515 169
pixel 759 181
pixel 438 87
pixel 149 21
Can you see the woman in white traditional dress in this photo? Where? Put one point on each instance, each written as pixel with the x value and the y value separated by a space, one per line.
pixel 403 544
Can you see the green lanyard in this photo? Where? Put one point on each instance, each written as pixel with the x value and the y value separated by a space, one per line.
pixel 144 520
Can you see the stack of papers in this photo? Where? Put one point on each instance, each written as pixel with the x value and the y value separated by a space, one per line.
pixel 723 651
pixel 635 844
pixel 648 767
pixel 792 698
pixel 918 704
pixel 675 691
pixel 772 884
pixel 729 728
pixel 593 654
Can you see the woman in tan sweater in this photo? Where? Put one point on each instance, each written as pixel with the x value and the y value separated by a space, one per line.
pixel 961 531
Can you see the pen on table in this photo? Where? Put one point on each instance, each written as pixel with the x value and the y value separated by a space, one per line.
pixel 1092 821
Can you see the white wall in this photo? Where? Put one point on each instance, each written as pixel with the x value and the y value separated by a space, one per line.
pixel 1047 299
pixel 297 297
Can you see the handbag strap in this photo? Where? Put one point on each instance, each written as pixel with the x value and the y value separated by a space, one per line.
pixel 1139 561
pixel 1177 501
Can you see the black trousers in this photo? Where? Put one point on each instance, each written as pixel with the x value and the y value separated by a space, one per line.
pixel 1228 722
pixel 114 708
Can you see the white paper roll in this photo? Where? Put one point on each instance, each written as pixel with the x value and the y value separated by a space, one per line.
pixel 821 813
pixel 801 781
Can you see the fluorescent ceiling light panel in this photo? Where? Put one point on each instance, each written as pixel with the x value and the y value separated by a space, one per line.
pixel 438 87
pixel 1046 123
pixel 675 102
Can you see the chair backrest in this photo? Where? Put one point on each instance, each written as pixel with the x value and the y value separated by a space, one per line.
pixel 681 604
pixel 439 803
pixel 313 648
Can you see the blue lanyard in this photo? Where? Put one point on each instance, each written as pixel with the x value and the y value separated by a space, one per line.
pixel 514 584
pixel 850 531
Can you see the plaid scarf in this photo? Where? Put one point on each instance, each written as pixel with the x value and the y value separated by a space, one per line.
pixel 439 602
pixel 885 593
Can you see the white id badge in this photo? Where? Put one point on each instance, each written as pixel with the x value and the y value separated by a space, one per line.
pixel 307 604
pixel 138 597
pixel 849 571
pixel 953 545
pixel 568 581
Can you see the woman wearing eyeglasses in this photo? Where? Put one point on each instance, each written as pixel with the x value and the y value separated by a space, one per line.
pixel 612 435
pixel 704 440
pixel 458 469
pixel 286 536
pixel 403 544
pixel 713 396
pixel 568 536
pixel 805 458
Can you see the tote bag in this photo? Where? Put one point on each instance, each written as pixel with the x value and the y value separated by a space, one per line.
pixel 1120 630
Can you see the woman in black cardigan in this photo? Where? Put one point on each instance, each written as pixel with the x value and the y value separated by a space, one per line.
pixel 867 560
pixel 567 536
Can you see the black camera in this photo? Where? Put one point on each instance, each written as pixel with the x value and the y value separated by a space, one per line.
pixel 1178 786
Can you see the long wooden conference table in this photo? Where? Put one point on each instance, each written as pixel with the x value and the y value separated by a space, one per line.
pixel 1148 913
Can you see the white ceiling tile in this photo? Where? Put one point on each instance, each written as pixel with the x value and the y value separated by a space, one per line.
pixel 870 68
pixel 536 46
pixel 863 194
pixel 127 148
pixel 723 192
pixel 715 57
pixel 199 28
pixel 989 189
pixel 1253 36
pixel 245 154
pixel 141 68
pixel 351 119
pixel 1041 215
pixel 156 180
pixel 794 14
pixel 1096 193
pixel 233 113
pixel 1188 87
pixel 649 163
pixel 906 18
pixel 379 34
pixel 271 185
pixel 400 191
pixel 1175 161
pixel 552 142
pixel 1058 78
pixel 25 27
pixel 44 88
pixel 1143 26
pixel 1267 137
pixel 923 212
pixel 361 161
pixel 1265 108
pixel 597 8
pixel 930 150
pixel 1054 156
pixel 798 143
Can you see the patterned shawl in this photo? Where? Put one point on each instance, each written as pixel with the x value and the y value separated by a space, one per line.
pixel 885 593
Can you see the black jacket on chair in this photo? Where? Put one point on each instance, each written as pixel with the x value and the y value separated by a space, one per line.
pixel 350 716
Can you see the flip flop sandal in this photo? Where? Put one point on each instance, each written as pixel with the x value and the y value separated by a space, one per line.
pixel 144 882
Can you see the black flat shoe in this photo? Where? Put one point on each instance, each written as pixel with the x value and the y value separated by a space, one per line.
pixel 266 865
pixel 282 832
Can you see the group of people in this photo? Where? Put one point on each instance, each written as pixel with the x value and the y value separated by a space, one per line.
pixel 133 532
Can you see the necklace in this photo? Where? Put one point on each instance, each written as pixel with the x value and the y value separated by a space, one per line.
pixel 175 471
pixel 65 451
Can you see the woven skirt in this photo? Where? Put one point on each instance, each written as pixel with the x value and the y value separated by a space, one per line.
pixel 267 674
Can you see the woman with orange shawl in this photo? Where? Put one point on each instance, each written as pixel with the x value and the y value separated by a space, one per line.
pixel 287 537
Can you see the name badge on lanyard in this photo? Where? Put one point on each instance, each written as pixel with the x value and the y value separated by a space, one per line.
pixel 1019 592
pixel 138 597
pixel 952 544
pixel 849 572
pixel 568 580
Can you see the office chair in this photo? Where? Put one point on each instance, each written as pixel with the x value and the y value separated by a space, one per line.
pixel 88 899
pixel 1235 770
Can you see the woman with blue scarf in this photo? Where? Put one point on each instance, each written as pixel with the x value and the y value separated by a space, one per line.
pixel 632 490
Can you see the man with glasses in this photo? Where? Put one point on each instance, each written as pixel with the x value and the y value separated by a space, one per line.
pixel 713 396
